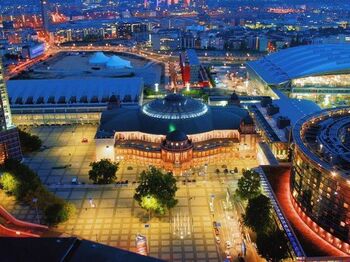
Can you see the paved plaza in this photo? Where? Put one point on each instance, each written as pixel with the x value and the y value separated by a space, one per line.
pixel 186 234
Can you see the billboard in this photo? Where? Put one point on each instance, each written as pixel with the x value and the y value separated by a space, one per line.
pixel 36 50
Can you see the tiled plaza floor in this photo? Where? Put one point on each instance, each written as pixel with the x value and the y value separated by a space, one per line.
pixel 117 219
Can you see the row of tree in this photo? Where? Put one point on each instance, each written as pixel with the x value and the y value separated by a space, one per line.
pixel 29 142
pixel 271 241
pixel 155 192
pixel 24 184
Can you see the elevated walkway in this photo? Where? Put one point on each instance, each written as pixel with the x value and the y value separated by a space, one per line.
pixel 13 227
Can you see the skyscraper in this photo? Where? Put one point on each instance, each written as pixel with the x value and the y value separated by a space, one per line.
pixel 45 15
pixel 9 139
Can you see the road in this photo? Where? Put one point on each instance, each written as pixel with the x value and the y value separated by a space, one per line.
pixel 29 63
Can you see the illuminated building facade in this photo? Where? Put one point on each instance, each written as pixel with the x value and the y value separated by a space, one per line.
pixel 176 133
pixel 320 73
pixel 166 39
pixel 9 139
pixel 70 101
pixel 193 72
pixel 320 182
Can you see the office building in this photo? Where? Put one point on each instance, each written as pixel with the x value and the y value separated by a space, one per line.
pixel 320 180
pixel 9 139
pixel 320 73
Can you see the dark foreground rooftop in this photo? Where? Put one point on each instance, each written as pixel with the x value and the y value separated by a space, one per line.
pixel 63 249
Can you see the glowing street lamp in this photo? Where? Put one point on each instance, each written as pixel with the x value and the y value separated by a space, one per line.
pixel 187 87
pixel 35 201
pixel 156 87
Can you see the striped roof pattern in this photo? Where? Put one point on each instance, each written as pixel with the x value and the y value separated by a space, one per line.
pixel 302 61
pixel 88 89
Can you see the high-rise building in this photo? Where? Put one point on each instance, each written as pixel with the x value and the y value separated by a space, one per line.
pixel 45 15
pixel 9 139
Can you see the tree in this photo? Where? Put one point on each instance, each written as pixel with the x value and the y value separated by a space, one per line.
pixel 28 180
pixel 25 185
pixel 156 191
pixel 273 246
pixel 29 142
pixel 103 171
pixel 9 183
pixel 248 185
pixel 151 203
pixel 258 214
pixel 59 212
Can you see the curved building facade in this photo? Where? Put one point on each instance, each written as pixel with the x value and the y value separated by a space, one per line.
pixel 316 72
pixel 320 181
pixel 175 132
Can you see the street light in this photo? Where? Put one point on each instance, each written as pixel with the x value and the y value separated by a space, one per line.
pixel 35 201
pixel 149 210
pixel 92 204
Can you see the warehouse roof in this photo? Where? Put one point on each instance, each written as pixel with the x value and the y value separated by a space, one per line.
pixel 65 91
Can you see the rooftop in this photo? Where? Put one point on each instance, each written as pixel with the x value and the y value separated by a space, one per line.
pixel 161 116
pixel 64 249
pixel 176 136
pixel 324 138
pixel 192 57
pixel 175 106
pixel 73 91
pixel 75 65
pixel 302 61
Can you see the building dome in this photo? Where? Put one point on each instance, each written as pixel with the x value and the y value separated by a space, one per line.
pixel 176 136
pixel 177 141
pixel 175 106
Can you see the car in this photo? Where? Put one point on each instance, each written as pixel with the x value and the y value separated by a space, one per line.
pixel 74 181
pixel 84 140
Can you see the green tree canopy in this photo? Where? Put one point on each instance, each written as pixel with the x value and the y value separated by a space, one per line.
pixel 25 185
pixel 273 246
pixel 258 214
pixel 248 185
pixel 9 183
pixel 156 191
pixel 29 142
pixel 103 171
pixel 59 212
